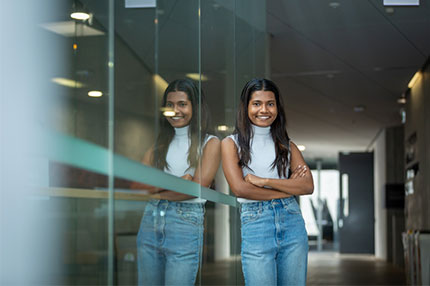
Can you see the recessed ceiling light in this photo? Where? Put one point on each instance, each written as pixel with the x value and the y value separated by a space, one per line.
pixel 389 10
pixel 334 4
pixel 301 147
pixel 68 29
pixel 67 82
pixel 222 127
pixel 401 100
pixel 359 108
pixel 95 93
pixel 169 113
pixel 82 16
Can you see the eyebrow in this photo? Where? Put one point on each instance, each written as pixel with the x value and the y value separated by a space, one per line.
pixel 258 100
pixel 179 101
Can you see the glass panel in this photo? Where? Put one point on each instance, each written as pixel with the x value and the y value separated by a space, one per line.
pixel 78 197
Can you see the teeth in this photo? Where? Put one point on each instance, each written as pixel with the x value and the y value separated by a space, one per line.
pixel 176 117
pixel 263 117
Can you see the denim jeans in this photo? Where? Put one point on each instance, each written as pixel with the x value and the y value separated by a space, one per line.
pixel 274 243
pixel 169 243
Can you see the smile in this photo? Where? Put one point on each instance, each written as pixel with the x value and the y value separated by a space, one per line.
pixel 263 117
pixel 177 117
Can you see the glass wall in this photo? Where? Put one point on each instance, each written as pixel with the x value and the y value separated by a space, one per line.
pixel 116 205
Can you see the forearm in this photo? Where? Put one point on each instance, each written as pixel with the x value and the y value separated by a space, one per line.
pixel 298 186
pixel 149 188
pixel 249 191
pixel 171 196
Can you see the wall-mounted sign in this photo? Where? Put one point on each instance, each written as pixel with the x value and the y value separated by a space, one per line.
pixel 401 2
pixel 140 3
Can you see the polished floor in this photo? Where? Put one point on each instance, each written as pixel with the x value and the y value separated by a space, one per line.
pixel 325 268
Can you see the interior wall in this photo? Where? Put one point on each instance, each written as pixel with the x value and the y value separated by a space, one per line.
pixel 417 140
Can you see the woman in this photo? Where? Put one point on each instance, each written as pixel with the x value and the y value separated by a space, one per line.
pixel 256 161
pixel 170 237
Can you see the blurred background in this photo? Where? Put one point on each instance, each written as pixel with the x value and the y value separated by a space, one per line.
pixel 81 88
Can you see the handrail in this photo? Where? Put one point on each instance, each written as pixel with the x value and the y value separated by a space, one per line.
pixel 82 154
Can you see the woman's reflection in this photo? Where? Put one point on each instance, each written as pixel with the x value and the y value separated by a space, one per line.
pixel 170 237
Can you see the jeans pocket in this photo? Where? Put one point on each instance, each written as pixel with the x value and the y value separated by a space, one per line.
pixel 249 216
pixel 293 208
pixel 192 215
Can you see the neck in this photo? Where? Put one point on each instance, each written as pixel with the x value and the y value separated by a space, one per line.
pixel 182 131
pixel 260 130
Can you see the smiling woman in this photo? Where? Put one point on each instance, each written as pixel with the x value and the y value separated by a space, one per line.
pixel 257 160
pixel 170 237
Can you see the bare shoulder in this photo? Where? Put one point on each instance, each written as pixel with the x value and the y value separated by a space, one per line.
pixel 214 142
pixel 296 156
pixel 149 156
pixel 213 146
pixel 228 143
pixel 293 146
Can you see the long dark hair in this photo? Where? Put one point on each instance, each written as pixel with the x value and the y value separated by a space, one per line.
pixel 278 128
pixel 167 132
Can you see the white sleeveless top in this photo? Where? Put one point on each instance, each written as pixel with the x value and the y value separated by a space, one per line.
pixel 262 156
pixel 177 156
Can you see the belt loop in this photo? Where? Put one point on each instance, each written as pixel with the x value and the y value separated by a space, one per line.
pixel 284 202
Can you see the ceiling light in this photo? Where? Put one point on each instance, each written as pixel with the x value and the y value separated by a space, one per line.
pixel 414 79
pixel 69 29
pixel 359 108
pixel 169 113
pixel 95 93
pixel 334 5
pixel 222 127
pixel 196 76
pixel 389 10
pixel 81 16
pixel 67 82
pixel 301 147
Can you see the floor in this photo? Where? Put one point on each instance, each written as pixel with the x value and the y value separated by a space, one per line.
pixel 325 268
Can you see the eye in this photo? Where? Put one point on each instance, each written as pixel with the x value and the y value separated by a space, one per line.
pixel 182 104
pixel 272 104
pixel 169 104
pixel 256 103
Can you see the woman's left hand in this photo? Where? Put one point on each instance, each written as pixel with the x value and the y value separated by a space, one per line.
pixel 255 180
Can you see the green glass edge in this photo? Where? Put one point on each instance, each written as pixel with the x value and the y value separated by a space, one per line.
pixel 82 154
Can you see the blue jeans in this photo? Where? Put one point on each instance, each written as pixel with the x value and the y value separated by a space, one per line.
pixel 274 243
pixel 169 243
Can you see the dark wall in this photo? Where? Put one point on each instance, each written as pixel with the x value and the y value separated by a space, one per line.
pixel 417 157
pixel 356 234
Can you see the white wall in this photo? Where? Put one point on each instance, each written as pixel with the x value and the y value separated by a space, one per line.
pixel 379 168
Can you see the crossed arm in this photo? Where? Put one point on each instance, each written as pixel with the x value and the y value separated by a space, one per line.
pixel 203 175
pixel 253 187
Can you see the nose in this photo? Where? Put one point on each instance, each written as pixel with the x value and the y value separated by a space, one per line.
pixel 175 108
pixel 263 108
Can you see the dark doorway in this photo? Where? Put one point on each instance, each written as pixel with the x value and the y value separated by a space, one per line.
pixel 356 219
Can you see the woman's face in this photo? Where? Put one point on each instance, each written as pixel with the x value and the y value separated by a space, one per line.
pixel 262 108
pixel 178 101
